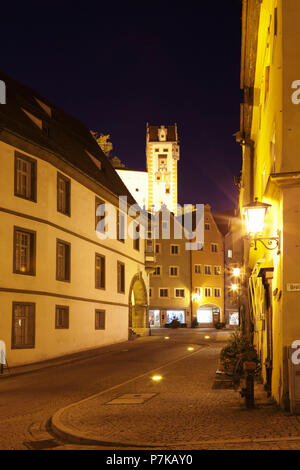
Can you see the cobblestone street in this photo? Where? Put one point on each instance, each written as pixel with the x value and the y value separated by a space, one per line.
pixel 181 411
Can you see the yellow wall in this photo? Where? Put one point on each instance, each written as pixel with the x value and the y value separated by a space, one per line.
pixel 276 136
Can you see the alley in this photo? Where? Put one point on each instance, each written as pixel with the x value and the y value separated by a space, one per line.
pixel 182 410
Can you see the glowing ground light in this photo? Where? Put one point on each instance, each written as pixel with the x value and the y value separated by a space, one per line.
pixel 206 337
pixel 167 337
pixel 190 349
pixel 156 378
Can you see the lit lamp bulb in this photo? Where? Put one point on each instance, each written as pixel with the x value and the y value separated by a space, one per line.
pixel 234 287
pixel 236 272
pixel 196 297
pixel 255 217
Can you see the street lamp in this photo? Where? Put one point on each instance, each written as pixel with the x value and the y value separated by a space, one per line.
pixel 236 272
pixel 255 213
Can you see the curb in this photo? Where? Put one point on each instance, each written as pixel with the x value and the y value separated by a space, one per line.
pixel 72 435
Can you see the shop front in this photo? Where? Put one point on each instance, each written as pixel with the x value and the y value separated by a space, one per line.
pixel 158 318
pixel 208 316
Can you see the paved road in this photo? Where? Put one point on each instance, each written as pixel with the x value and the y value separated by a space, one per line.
pixel 28 401
pixel 186 408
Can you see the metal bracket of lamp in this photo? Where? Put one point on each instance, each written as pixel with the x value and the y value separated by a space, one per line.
pixel 255 213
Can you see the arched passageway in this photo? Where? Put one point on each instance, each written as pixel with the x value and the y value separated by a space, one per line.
pixel 138 306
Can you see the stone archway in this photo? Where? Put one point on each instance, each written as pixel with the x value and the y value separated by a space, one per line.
pixel 138 306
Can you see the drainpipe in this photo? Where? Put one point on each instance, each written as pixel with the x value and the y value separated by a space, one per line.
pixel 191 286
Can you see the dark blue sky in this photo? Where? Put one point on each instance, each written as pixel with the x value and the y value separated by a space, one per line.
pixel 119 69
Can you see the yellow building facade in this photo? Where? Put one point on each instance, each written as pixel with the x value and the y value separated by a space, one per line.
pixel 207 272
pixel 62 288
pixel 270 139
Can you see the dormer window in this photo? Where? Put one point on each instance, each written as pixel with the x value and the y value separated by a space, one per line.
pixel 94 160
pixel 45 107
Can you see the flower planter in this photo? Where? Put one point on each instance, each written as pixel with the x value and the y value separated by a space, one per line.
pixel 249 365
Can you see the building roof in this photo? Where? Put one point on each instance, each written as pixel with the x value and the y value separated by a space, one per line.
pixel 34 118
pixel 171 133
pixel 223 220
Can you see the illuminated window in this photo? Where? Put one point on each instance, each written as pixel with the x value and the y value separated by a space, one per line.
pixel 24 251
pixel 217 270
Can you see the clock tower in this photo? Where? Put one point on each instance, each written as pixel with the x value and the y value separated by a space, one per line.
pixel 162 155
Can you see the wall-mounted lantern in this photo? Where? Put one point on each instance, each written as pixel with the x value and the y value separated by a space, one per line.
pixel 255 213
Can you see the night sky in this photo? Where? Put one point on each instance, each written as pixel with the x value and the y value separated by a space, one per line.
pixel 159 64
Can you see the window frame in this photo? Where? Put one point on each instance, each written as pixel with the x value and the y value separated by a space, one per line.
pixel 179 296
pixel 66 244
pixel 99 218
pixel 219 290
pixel 200 270
pixel 98 326
pixel 216 245
pixel 207 266
pixel 210 292
pixel 163 296
pixel 160 271
pixel 102 275
pixel 66 322
pixel 32 234
pixel 177 271
pixel 178 247
pixel 30 345
pixel 120 266
pixel 33 175
pixel 67 181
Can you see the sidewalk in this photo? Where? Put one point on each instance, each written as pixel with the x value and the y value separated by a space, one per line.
pixel 181 411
